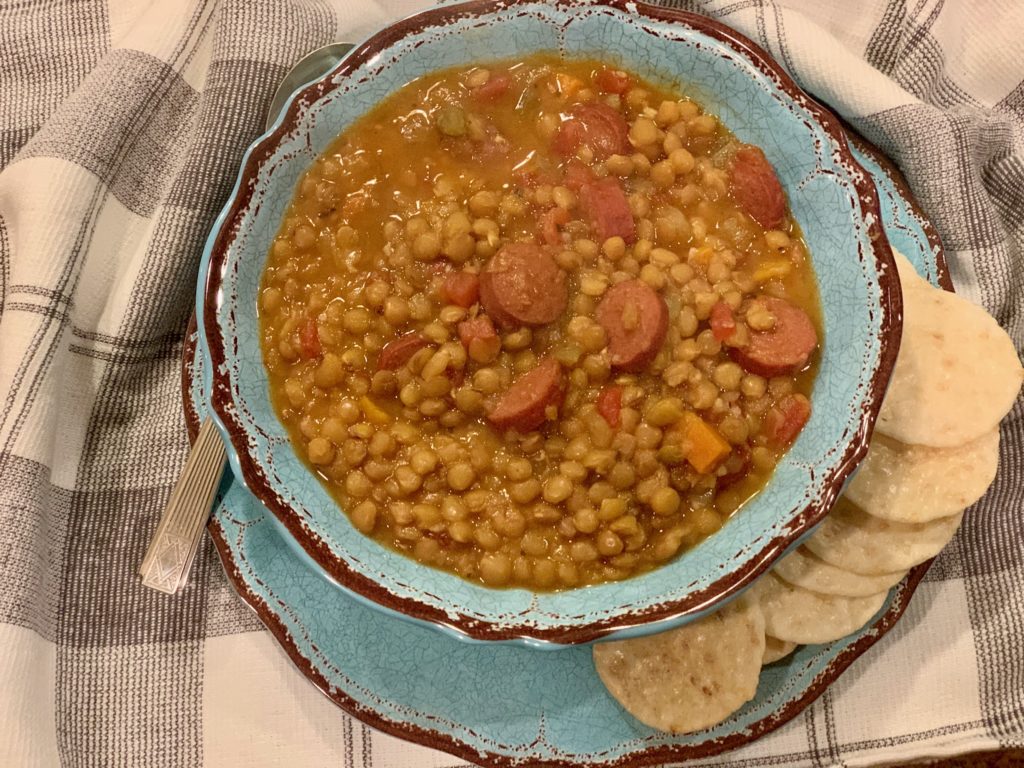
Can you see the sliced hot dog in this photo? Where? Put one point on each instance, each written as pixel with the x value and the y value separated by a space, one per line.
pixel 785 348
pixel 595 125
pixel 523 406
pixel 398 352
pixel 522 285
pixel 756 188
pixel 605 205
pixel 635 318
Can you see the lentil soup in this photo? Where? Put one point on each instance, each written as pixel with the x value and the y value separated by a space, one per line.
pixel 540 323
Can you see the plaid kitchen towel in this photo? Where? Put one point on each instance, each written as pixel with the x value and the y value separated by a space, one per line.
pixel 122 123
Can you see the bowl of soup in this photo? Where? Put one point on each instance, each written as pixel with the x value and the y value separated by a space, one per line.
pixel 547 323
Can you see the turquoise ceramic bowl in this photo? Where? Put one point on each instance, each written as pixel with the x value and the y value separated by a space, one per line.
pixel 830 194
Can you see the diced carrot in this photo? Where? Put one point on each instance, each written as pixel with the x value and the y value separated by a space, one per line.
pixel 706 448
pixel 373 412
pixel 723 324
pixel 612 81
pixel 609 405
pixel 309 339
pixel 783 423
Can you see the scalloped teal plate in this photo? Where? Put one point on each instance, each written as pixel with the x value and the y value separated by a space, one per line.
pixel 500 705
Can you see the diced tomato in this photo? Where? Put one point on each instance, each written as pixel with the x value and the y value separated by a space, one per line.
pixel 533 177
pixel 605 205
pixel 577 174
pixel 596 125
pixel 723 324
pixel 609 405
pixel 756 188
pixel 479 338
pixel 461 289
pixel 783 422
pixel 479 327
pixel 550 221
pixel 398 352
pixel 309 339
pixel 495 87
pixel 612 81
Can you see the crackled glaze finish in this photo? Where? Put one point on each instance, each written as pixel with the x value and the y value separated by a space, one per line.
pixel 830 194
pixel 336 643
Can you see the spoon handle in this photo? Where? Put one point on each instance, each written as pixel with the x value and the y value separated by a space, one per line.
pixel 173 548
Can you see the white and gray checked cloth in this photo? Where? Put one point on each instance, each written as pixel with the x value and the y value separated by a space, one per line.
pixel 122 124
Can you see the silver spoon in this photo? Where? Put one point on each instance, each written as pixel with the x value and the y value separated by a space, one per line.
pixel 170 554
pixel 310 67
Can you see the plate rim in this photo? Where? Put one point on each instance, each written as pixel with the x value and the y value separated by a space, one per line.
pixel 673 612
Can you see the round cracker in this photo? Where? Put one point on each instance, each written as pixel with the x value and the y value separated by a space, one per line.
pixel 688 678
pixel 956 375
pixel 915 483
pixel 801 616
pixel 852 539
pixel 775 649
pixel 909 276
pixel 803 569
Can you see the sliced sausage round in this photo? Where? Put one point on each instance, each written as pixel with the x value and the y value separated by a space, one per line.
pixel 785 348
pixel 606 207
pixel 524 406
pixel 756 188
pixel 522 285
pixel 398 352
pixel 635 318
pixel 595 125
